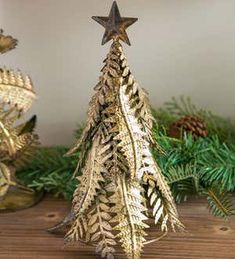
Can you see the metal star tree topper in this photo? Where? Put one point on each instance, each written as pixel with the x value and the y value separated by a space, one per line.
pixel 119 177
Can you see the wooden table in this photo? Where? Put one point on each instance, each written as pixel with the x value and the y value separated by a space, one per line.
pixel 23 235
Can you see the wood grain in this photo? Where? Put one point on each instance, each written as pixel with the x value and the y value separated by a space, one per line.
pixel 23 235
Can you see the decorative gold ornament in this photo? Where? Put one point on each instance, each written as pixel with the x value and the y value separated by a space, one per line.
pixel 5 180
pixel 17 142
pixel 120 177
pixel 16 89
pixel 7 43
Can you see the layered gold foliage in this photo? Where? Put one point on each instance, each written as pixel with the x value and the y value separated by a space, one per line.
pixel 5 180
pixel 17 141
pixel 91 179
pixel 16 89
pixel 129 212
pixel 120 177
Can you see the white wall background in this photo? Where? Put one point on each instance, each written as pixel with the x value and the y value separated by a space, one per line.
pixel 178 47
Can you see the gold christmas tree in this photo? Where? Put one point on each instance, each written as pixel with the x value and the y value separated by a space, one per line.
pixel 17 142
pixel 120 177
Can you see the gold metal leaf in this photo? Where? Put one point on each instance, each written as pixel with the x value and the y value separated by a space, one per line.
pixel 17 143
pixel 16 90
pixel 7 43
pixel 5 180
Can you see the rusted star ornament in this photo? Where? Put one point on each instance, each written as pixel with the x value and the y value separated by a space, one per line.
pixel 115 25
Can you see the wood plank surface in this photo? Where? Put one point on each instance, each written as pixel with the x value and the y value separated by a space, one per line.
pixel 23 235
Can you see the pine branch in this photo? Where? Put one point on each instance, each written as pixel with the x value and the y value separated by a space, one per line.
pixel 181 173
pixel 49 171
pixel 218 165
pixel 184 181
pixel 181 107
pixel 220 204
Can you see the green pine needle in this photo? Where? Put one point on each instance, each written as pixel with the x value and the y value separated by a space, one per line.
pixel 220 203
pixel 50 171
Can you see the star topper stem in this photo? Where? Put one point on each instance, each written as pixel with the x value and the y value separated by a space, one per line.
pixel 115 25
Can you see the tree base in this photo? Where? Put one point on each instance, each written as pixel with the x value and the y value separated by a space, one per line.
pixel 64 225
pixel 19 197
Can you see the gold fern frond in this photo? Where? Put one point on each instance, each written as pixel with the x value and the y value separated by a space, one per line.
pixel 26 146
pixel 162 202
pixel 100 229
pixel 129 210
pixel 91 179
pixel 138 101
pixel 95 227
pixel 97 103
pixel 78 229
pixel 144 114
pixel 93 116
pixel 16 90
pixel 15 146
pixel 128 133
pixel 5 180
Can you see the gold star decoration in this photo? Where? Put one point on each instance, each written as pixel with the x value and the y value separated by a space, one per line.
pixel 115 25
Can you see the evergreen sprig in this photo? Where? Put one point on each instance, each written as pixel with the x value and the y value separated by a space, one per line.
pixel 50 171
pixel 219 202
pixel 218 165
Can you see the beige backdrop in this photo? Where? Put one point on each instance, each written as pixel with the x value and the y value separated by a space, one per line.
pixel 178 47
